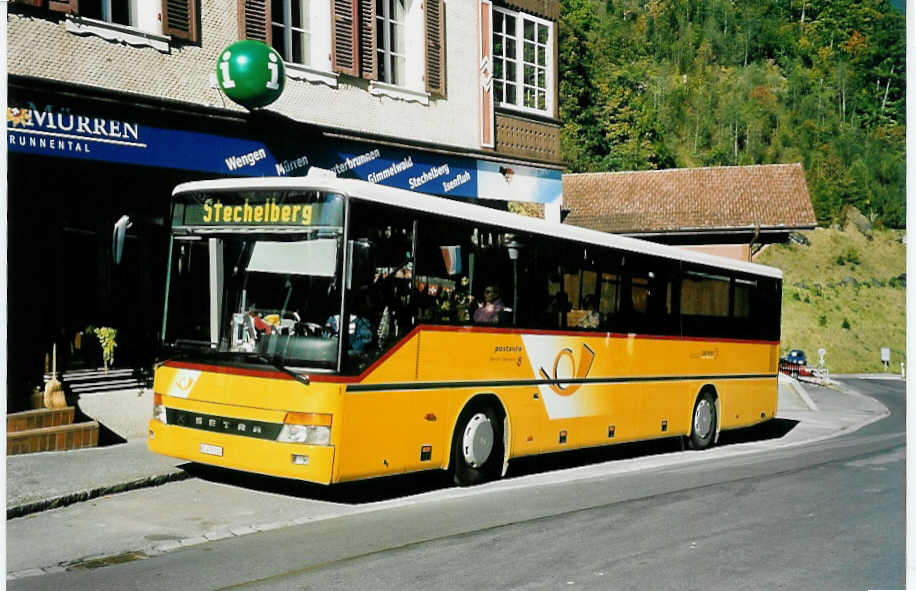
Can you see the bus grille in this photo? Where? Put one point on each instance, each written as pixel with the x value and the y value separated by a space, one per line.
pixel 227 425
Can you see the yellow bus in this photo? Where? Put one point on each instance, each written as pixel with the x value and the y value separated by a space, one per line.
pixel 473 336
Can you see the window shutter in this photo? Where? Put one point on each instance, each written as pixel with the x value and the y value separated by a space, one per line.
pixel 368 43
pixel 254 20
pixel 71 6
pixel 487 110
pixel 180 19
pixel 435 46
pixel 344 48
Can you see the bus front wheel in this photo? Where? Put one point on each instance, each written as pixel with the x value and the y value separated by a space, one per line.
pixel 477 445
pixel 703 422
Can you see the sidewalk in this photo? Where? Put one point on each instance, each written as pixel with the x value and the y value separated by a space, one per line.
pixel 826 411
pixel 36 482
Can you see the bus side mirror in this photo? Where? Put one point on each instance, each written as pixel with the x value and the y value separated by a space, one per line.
pixel 117 238
pixel 362 263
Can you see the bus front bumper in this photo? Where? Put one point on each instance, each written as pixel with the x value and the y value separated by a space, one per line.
pixel 313 463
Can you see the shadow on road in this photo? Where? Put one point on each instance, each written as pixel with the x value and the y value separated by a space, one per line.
pixel 381 489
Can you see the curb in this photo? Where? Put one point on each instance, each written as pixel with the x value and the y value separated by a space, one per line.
pixel 85 495
pixel 796 385
pixel 799 389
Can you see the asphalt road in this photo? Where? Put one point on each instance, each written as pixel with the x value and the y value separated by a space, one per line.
pixel 826 515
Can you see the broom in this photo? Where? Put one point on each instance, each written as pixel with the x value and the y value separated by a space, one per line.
pixel 54 392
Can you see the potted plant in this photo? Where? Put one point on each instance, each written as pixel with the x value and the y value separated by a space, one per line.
pixel 107 337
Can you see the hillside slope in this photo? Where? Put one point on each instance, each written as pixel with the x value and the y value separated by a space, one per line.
pixel 844 292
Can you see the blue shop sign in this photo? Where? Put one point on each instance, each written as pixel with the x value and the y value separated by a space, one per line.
pixel 69 135
pixel 61 133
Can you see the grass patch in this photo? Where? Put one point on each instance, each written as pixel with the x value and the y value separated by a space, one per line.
pixel 850 308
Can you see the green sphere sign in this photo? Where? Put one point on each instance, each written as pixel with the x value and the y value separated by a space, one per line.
pixel 251 73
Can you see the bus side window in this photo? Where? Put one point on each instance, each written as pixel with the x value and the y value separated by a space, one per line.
pixel 609 301
pixel 447 262
pixel 704 303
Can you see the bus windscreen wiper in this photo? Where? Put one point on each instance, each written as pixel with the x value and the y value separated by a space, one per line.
pixel 275 362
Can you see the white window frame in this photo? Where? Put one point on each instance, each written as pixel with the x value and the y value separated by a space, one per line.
pixel 319 67
pixel 519 58
pixel 385 53
pixel 285 24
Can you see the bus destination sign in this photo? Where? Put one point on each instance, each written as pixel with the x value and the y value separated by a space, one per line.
pixel 267 213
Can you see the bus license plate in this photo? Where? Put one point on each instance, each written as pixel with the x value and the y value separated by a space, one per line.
pixel 211 450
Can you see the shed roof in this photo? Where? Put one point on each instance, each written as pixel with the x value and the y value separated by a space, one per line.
pixel 770 197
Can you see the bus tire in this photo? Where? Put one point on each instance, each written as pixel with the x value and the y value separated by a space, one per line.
pixel 703 422
pixel 477 445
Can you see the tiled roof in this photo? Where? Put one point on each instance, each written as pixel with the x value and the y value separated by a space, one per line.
pixel 726 198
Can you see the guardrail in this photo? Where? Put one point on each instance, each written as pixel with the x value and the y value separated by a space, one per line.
pixel 802 371
pixel 791 368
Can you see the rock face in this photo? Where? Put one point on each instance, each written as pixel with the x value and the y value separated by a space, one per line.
pixel 849 282
pixel 861 223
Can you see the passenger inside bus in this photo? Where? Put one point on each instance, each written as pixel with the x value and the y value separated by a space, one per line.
pixel 360 329
pixel 489 312
pixel 590 318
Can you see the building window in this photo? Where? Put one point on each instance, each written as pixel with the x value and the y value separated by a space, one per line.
pixel 522 61
pixel 110 11
pixel 291 35
pixel 390 16
pixel 139 23
pixel 398 45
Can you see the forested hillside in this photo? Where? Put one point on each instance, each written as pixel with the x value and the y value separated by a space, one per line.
pixel 650 84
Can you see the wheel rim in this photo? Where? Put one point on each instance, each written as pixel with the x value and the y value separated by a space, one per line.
pixel 702 419
pixel 477 442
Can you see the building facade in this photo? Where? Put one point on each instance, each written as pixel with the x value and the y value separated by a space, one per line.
pixel 114 102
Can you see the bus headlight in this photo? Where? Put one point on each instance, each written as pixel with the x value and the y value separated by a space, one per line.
pixel 313 434
pixel 159 409
pixel 310 428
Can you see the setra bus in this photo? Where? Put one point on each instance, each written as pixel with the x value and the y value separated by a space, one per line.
pixel 470 336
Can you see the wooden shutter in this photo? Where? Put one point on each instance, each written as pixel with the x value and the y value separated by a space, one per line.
pixel 435 46
pixel 368 43
pixel 254 20
pixel 179 19
pixel 71 6
pixel 344 42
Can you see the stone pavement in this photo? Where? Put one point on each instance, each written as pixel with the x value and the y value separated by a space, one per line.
pixel 36 482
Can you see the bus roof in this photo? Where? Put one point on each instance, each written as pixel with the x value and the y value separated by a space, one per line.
pixel 423 202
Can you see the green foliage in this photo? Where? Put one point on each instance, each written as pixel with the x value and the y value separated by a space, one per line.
pixel 846 325
pixel 681 83
pixel 822 321
pixel 108 340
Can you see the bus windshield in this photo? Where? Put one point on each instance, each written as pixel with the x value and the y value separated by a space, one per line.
pixel 256 276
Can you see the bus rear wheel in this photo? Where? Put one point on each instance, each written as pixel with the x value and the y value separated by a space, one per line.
pixel 477 445
pixel 703 423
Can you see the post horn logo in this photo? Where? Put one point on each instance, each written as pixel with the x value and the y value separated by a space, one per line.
pixel 580 372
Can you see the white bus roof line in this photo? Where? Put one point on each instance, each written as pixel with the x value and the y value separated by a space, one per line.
pixel 426 203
